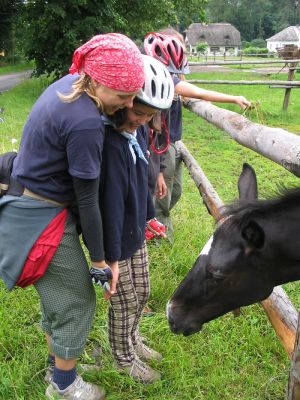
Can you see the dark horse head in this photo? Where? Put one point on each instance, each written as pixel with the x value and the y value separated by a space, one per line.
pixel 256 247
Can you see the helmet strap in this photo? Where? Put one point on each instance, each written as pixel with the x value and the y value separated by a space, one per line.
pixel 164 148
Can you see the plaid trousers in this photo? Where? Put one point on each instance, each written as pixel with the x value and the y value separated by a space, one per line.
pixel 126 305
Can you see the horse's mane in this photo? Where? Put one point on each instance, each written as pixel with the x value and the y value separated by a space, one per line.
pixel 241 211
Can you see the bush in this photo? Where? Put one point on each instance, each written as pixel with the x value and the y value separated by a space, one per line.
pixel 260 52
pixel 12 58
pixel 259 42
pixel 201 47
pixel 245 44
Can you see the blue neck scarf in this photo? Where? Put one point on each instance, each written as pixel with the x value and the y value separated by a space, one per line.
pixel 133 144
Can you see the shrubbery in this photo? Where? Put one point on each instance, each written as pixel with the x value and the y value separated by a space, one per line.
pixel 201 47
pixel 258 51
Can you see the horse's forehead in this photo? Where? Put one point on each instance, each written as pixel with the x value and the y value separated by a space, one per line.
pixel 226 238
pixel 207 246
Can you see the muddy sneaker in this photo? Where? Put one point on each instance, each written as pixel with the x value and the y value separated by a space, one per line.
pixel 140 371
pixel 147 312
pixel 81 368
pixel 78 390
pixel 145 352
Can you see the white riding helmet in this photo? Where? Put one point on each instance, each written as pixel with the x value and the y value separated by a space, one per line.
pixel 158 89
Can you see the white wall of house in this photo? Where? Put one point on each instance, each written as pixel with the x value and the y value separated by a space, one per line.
pixel 273 45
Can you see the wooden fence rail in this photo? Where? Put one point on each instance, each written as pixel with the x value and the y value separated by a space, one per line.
pixel 237 62
pixel 228 82
pixel 277 144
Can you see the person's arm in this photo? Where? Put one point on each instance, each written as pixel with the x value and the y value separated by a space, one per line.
pixel 87 196
pixel 86 192
pixel 161 187
pixel 187 89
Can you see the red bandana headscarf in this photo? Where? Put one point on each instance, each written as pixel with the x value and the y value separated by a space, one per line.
pixel 111 59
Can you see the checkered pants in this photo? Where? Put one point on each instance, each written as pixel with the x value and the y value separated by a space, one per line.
pixel 126 305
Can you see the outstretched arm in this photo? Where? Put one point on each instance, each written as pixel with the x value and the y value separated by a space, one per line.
pixel 187 89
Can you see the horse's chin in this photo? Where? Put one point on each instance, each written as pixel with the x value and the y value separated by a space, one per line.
pixel 191 331
pixel 186 331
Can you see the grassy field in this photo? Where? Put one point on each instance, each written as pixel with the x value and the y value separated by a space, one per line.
pixel 6 69
pixel 232 358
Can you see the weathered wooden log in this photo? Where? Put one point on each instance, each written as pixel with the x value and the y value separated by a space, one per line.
pixel 277 144
pixel 278 61
pixel 283 317
pixel 227 82
pixel 281 312
pixel 206 190
pixel 293 392
pixel 287 94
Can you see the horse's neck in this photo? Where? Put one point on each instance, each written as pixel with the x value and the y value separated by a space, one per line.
pixel 287 273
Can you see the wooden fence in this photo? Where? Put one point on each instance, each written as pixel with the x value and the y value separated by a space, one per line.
pixel 282 147
pixel 288 84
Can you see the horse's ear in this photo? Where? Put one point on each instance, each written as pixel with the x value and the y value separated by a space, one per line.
pixel 247 183
pixel 254 236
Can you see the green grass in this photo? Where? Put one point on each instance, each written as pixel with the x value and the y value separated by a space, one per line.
pixel 6 69
pixel 232 358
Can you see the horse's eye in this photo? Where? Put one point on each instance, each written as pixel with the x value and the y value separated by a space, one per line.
pixel 216 275
pixel 209 275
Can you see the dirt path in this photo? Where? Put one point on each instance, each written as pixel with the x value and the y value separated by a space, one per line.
pixel 7 81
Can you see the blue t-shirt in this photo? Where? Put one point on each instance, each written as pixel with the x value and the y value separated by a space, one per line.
pixel 60 140
pixel 173 116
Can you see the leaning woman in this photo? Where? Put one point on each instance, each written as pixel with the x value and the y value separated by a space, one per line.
pixel 57 170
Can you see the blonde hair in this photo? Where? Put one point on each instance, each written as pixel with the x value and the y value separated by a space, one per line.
pixel 82 85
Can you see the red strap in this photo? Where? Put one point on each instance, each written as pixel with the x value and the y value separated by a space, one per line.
pixel 43 250
pixel 152 144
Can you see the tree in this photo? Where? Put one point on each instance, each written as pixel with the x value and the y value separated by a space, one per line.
pixel 53 29
pixel 9 10
pixel 254 18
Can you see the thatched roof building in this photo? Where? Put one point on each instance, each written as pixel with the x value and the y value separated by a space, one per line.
pixel 219 37
pixel 290 35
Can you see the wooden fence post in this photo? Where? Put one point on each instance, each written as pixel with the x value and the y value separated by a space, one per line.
pixel 288 90
pixel 293 392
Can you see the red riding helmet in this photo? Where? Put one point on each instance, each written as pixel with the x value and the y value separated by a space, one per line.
pixel 167 49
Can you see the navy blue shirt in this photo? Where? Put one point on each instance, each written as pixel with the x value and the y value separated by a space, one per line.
pixel 60 140
pixel 125 201
pixel 173 116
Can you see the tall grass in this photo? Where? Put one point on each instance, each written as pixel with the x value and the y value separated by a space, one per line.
pixel 231 358
pixel 22 66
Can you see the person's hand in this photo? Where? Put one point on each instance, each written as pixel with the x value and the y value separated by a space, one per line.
pixel 105 276
pixel 155 228
pixel 242 102
pixel 114 266
pixel 161 187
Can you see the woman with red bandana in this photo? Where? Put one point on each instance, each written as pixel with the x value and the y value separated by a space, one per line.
pixel 58 165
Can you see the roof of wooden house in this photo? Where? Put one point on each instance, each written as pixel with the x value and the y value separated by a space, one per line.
pixel 290 34
pixel 219 34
